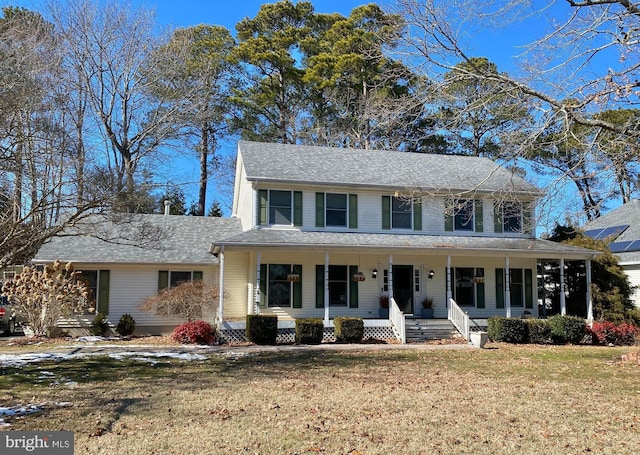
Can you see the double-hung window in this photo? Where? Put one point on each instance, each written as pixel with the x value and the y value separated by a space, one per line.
pixel 337 210
pixel 469 286
pixel 401 213
pixel 512 217
pixel 281 285
pixel 464 215
pixel 279 207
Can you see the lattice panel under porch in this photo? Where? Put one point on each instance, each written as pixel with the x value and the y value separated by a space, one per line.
pixel 287 336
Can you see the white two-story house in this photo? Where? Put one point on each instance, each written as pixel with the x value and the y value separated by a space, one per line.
pixel 328 231
pixel 325 232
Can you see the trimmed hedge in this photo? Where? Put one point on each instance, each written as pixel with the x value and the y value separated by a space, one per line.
pixel 538 331
pixel 262 328
pixel 567 329
pixel 126 325
pixel 508 330
pixel 309 331
pixel 349 330
pixel 99 326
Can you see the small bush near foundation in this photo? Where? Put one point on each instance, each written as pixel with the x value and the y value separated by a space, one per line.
pixel 508 330
pixel 567 329
pixel 606 332
pixel 349 330
pixel 194 332
pixel 262 328
pixel 99 326
pixel 538 331
pixel 126 325
pixel 309 331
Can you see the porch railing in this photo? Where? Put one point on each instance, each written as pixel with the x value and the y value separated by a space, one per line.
pixel 460 319
pixel 397 320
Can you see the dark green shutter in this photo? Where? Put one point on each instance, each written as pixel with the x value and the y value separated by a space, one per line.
pixel 528 288
pixel 197 275
pixel 163 279
pixel 319 209
pixel 527 219
pixel 499 288
pixel 353 211
pixel 297 208
pixel 319 286
pixel 417 214
pixel 478 216
pixel 480 294
pixel 297 287
pixel 448 217
pixel 497 217
pixel 103 291
pixel 353 287
pixel 263 286
pixel 386 212
pixel 263 207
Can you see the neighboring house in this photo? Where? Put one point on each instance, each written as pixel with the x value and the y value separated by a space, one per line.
pixel 324 232
pixel 621 228
pixel 132 257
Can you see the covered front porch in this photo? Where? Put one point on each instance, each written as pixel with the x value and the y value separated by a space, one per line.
pixel 466 281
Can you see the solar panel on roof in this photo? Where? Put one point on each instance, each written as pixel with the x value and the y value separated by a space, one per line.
pixel 619 247
pixel 635 246
pixel 612 231
pixel 593 233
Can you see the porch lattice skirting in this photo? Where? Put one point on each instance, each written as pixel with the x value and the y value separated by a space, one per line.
pixel 287 335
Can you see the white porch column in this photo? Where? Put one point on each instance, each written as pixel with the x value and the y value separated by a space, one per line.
pixel 255 305
pixel 390 272
pixel 326 287
pixel 589 297
pixel 221 284
pixel 448 278
pixel 507 288
pixel 563 300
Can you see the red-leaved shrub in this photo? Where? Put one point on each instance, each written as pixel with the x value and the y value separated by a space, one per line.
pixel 609 333
pixel 194 332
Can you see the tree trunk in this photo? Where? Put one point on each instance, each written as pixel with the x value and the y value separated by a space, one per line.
pixel 204 175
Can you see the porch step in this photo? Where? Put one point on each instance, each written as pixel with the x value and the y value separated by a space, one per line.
pixel 418 330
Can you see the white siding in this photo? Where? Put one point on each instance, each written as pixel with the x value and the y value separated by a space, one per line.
pixel 244 199
pixel 370 212
pixel 633 272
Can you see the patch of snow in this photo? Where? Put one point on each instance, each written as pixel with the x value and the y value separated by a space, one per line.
pixel 19 360
pixel 21 410
pixel 146 356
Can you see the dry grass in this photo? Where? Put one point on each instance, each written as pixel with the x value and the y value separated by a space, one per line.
pixel 509 399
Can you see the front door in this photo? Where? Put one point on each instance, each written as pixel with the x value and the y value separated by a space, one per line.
pixel 403 287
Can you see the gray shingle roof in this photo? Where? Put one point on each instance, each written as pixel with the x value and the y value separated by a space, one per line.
pixel 140 239
pixel 297 238
pixel 626 215
pixel 377 169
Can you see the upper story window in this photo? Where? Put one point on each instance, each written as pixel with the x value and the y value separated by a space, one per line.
pixel 337 210
pixel 464 215
pixel 510 217
pixel 279 207
pixel 401 213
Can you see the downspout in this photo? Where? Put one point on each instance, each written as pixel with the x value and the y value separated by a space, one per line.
pixel 221 291
pixel 563 300
pixel 326 288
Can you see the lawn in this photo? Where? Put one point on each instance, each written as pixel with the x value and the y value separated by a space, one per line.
pixel 507 399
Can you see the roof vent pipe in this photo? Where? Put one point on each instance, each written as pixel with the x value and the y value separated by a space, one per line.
pixel 167 207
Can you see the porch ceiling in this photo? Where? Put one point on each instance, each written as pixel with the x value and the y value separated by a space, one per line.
pixel 295 238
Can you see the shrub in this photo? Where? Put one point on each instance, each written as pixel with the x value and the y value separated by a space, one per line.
pixel 349 330
pixel 41 297
pixel 262 328
pixel 609 333
pixel 99 326
pixel 194 332
pixel 538 331
pixel 509 330
pixel 309 331
pixel 567 329
pixel 126 325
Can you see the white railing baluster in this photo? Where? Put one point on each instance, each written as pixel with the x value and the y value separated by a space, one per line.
pixel 460 319
pixel 397 320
